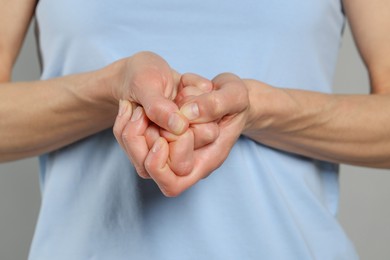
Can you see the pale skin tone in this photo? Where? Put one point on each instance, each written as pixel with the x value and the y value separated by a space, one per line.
pixel 351 129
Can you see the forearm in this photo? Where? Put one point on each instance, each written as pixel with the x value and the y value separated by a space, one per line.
pixel 41 116
pixel 352 129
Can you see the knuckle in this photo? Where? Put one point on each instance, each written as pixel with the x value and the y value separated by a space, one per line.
pixel 216 105
pixel 211 132
pixel 183 168
pixel 206 176
pixel 150 109
pixel 126 137
pixel 227 75
pixel 153 110
pixel 118 127
pixel 148 164
pixel 186 77
pixel 141 172
pixel 242 92
pixel 117 131
pixel 205 85
pixel 143 175
pixel 206 134
pixel 152 167
pixel 171 192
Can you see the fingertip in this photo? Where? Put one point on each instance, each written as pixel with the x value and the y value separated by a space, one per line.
pixel 181 154
pixel 124 114
pixel 168 135
pixel 166 114
pixel 151 135
pixel 206 86
pixel 158 155
pixel 157 158
pixel 142 173
pixel 190 111
pixel 205 133
pixel 158 145
pixel 122 108
pixel 177 123
pixel 125 108
pixel 137 114
pixel 191 79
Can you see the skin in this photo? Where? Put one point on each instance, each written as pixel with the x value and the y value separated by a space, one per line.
pixel 79 105
pixel 155 160
pixel 138 135
pixel 351 129
pixel 308 123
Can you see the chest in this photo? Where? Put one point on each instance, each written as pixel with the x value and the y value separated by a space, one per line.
pixel 89 17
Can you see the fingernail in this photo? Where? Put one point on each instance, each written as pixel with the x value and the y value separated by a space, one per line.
pixel 122 107
pixel 191 111
pixel 136 114
pixel 176 123
pixel 158 145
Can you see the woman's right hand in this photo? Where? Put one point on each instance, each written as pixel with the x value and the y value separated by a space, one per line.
pixel 145 79
pixel 148 88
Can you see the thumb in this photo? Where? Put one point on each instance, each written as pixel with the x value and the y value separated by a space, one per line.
pixel 227 99
pixel 165 113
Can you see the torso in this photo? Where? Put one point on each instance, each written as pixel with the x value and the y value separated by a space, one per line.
pixel 262 203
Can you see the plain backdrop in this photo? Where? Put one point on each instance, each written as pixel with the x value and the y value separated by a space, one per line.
pixel 364 207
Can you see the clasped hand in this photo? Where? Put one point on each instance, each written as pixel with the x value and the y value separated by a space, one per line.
pixel 177 129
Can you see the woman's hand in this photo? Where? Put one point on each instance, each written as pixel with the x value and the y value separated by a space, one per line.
pixel 226 107
pixel 87 103
pixel 146 79
pixel 137 134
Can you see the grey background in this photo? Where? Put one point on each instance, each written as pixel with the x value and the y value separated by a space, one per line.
pixel 364 207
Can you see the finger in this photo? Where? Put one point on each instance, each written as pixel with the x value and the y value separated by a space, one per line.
pixel 203 165
pixel 181 150
pixel 186 94
pixel 172 185
pixel 151 135
pixel 153 85
pixel 164 113
pixel 229 133
pixel 157 167
pixel 192 85
pixel 134 141
pixel 228 98
pixel 123 117
pixel 191 79
pixel 204 133
pixel 181 154
pixel 223 79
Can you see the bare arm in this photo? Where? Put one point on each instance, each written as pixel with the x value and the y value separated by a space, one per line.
pixel 15 16
pixel 42 116
pixel 353 129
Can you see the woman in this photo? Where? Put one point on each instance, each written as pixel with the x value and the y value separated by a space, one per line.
pixel 268 199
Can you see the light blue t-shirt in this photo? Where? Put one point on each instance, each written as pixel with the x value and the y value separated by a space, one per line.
pixel 261 203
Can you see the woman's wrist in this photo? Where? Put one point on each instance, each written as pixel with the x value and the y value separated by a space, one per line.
pixel 275 111
pixel 94 92
pixel 264 109
pixel 110 82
